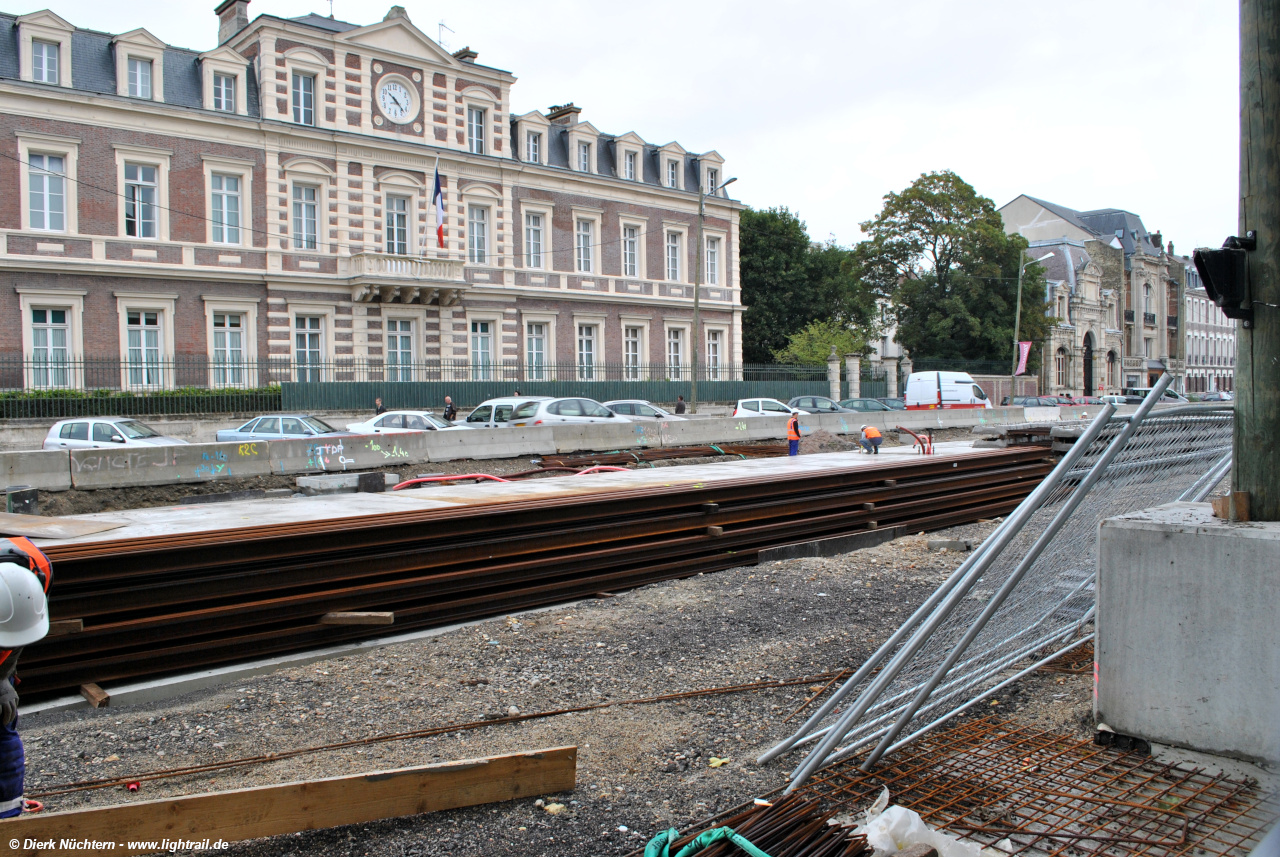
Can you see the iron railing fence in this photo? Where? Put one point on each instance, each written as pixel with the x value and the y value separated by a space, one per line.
pixel 354 387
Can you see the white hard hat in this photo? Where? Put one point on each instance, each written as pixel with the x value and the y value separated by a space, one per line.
pixel 24 613
pixel 863 428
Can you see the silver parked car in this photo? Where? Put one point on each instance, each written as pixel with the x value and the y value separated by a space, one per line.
pixel 496 413
pixel 396 422
pixel 639 409
pixel 566 410
pixel 104 432
pixel 281 427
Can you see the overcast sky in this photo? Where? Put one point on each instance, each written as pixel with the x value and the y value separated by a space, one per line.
pixel 824 107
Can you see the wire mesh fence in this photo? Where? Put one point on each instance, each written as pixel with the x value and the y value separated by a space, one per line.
pixel 1031 598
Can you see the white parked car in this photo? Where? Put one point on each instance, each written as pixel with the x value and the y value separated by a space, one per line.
pixel 764 408
pixel 396 422
pixel 639 409
pixel 496 413
pixel 566 410
pixel 104 433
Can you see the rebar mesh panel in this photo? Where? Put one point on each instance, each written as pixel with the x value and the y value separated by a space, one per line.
pixel 986 780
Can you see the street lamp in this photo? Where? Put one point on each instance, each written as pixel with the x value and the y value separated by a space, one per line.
pixel 697 286
pixel 1017 320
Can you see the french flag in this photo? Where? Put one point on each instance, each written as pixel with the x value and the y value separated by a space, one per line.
pixel 437 198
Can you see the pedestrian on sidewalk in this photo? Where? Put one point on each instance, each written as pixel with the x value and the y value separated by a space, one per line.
pixel 378 409
pixel 679 404
pixel 450 412
pixel 793 434
pixel 871 440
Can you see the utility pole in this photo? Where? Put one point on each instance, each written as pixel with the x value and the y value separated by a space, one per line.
pixel 1257 423
pixel 697 286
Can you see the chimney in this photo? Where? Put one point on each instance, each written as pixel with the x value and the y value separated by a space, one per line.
pixel 465 55
pixel 1158 240
pixel 233 16
pixel 396 12
pixel 563 114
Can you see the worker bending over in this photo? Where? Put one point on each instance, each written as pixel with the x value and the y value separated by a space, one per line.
pixel 25 573
pixel 871 439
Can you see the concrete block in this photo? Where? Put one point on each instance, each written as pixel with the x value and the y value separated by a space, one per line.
pixel 42 469
pixel 342 483
pixel 772 428
pixel 124 467
pixel 1186 651
pixel 594 437
pixel 490 443
pixel 833 546
pixel 703 432
pixel 1040 415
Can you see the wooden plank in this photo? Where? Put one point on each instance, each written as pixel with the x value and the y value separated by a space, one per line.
pixel 275 810
pixel 36 527
pixel 97 696
pixel 358 619
pixel 58 627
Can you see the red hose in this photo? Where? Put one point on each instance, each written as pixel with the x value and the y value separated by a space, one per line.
pixel 925 443
pixel 422 479
pixel 601 467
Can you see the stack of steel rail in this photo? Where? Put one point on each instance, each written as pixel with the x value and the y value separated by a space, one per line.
pixel 177 602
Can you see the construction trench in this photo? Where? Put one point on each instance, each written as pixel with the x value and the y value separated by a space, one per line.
pixel 674 661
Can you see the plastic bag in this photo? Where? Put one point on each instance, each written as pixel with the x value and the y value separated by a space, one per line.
pixel 896 828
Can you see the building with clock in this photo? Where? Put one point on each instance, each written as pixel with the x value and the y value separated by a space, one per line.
pixel 264 211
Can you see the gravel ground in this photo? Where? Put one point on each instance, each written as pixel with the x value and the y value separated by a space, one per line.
pixel 58 503
pixel 641 768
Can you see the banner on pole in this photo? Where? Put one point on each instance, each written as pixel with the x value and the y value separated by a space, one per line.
pixel 1024 350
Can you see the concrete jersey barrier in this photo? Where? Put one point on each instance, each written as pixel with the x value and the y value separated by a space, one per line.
pixel 132 466
pixel 44 469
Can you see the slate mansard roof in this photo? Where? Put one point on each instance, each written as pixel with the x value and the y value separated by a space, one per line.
pixel 93 68
pixel 1107 223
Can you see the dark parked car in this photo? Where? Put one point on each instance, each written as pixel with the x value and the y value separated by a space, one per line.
pixel 865 406
pixel 894 404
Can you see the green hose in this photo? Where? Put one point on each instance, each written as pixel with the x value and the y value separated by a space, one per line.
pixel 660 845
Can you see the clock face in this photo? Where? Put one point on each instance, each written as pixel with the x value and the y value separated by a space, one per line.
pixel 396 101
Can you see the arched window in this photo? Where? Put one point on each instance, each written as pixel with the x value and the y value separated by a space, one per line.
pixel 1060 364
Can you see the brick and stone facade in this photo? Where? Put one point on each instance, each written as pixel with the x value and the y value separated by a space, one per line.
pixel 269 202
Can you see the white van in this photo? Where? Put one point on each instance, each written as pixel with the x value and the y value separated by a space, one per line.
pixel 930 390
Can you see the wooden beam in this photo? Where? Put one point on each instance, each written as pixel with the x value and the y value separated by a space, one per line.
pixel 358 619
pixel 59 627
pixel 275 810
pixel 97 696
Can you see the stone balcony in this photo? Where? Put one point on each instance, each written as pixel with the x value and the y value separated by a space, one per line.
pixel 386 278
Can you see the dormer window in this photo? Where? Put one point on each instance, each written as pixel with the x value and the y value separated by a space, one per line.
pixel 584 157
pixel 224 93
pixel 475 130
pixel 44 62
pixel 629 166
pixel 304 99
pixel 139 78
pixel 673 174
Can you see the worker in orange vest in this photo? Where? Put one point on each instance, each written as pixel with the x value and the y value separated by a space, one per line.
pixel 871 439
pixel 793 434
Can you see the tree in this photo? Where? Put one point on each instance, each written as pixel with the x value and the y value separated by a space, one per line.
pixel 789 282
pixel 812 345
pixel 941 251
